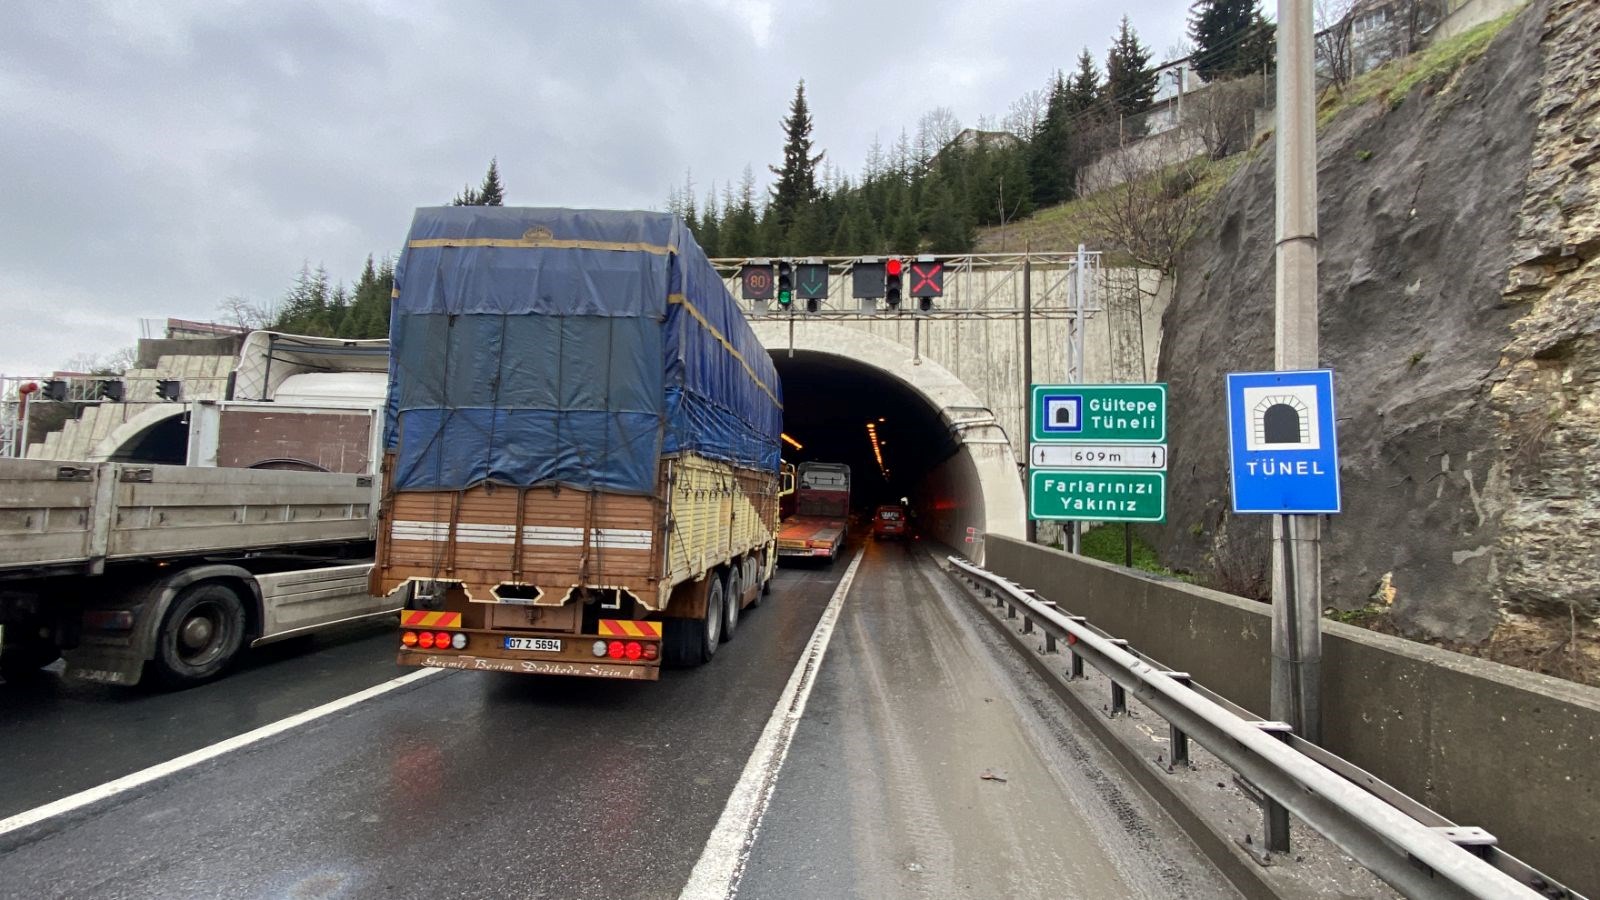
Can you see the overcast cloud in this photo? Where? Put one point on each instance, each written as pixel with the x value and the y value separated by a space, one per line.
pixel 156 158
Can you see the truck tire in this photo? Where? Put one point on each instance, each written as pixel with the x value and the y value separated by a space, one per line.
pixel 199 635
pixel 730 602
pixel 23 658
pixel 692 642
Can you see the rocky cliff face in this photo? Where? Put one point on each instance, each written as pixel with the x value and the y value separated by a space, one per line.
pixel 1460 310
pixel 1547 391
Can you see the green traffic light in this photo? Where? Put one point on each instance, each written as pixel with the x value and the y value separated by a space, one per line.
pixel 785 298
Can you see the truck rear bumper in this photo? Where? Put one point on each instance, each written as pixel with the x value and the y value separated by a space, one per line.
pixel 805 552
pixel 447 660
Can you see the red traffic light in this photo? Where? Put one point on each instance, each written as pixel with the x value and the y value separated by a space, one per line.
pixel 892 266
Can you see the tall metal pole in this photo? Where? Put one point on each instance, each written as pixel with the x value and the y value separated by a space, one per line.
pixel 1296 544
pixel 1027 377
pixel 1080 368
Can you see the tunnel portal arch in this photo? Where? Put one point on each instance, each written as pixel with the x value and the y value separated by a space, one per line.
pixel 980 484
pixel 125 442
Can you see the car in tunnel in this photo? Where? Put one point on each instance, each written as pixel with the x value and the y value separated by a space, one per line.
pixel 889 522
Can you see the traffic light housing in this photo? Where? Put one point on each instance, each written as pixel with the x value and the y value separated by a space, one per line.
pixel 169 389
pixel 927 281
pixel 785 284
pixel 111 389
pixel 893 270
pixel 55 389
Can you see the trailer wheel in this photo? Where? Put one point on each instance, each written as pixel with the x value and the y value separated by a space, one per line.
pixel 26 652
pixel 199 635
pixel 692 642
pixel 730 603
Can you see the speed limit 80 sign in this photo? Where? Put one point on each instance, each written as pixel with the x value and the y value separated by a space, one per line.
pixel 756 282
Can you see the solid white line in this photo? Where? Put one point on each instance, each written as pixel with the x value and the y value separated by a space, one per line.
pixel 716 875
pixel 194 758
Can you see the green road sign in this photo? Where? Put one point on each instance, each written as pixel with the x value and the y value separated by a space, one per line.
pixel 1098 496
pixel 1100 413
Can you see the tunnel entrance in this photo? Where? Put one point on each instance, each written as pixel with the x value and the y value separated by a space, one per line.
pixel 165 442
pixel 940 447
pixel 843 410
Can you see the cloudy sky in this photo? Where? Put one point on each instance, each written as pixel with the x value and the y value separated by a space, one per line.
pixel 158 157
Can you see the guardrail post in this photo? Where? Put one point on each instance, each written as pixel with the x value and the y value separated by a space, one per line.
pixel 1177 740
pixel 1049 641
pixel 1119 700
pixel 1274 817
pixel 1075 673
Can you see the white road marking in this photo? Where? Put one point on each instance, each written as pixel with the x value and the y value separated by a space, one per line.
pixel 172 766
pixel 716 875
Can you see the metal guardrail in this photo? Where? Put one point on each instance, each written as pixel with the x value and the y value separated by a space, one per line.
pixel 1403 842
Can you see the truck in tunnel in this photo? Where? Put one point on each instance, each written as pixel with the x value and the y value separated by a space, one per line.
pixel 821 521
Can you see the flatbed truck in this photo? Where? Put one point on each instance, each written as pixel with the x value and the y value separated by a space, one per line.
pixel 820 525
pixel 130 569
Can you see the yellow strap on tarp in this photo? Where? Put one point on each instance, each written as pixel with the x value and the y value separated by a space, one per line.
pixel 544 243
pixel 683 301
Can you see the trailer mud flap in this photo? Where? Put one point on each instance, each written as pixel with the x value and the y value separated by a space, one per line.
pixel 104 664
pixel 534 666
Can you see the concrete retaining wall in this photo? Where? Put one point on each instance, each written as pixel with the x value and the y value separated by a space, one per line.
pixel 1484 744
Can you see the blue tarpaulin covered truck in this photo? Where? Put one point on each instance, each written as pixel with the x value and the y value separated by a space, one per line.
pixel 582 445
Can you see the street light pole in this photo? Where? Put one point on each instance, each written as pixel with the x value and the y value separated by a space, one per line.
pixel 1296 540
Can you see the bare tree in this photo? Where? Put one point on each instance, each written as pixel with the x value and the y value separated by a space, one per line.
pixel 1221 115
pixel 1148 217
pixel 936 129
pixel 114 362
pixel 246 313
pixel 1026 113
pixel 1333 56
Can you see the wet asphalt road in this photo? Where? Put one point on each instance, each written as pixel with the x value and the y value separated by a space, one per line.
pixel 466 784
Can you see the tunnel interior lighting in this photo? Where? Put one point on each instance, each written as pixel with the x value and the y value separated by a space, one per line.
pixel 877 448
pixel 792 442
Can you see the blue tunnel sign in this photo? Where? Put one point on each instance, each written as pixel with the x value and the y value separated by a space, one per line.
pixel 1283 448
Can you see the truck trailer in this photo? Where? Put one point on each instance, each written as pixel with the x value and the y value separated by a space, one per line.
pixel 130 568
pixel 582 451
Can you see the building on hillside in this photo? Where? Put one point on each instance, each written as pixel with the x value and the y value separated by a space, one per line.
pixel 1373 32
pixel 972 138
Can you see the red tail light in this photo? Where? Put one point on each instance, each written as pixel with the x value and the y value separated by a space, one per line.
pixel 634 650
pixel 425 640
pixel 615 650
pixel 651 651
pixel 441 639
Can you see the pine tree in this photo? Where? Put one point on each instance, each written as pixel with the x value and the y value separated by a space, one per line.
pixel 739 219
pixel 904 235
pixel 1130 81
pixel 490 193
pixel 797 180
pixel 948 224
pixel 1231 38
pixel 1084 91
pixel 808 234
pixel 710 232
pixel 1048 160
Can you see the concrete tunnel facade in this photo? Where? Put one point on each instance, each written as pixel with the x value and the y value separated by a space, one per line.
pixel 975 482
